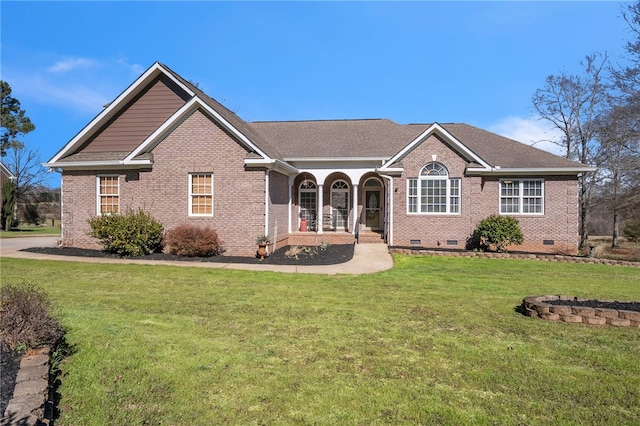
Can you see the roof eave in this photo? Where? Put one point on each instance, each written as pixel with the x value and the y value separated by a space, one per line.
pixel 271 164
pixel 99 165
pixel 529 171
pixel 325 159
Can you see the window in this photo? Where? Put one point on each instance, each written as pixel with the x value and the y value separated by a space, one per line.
pixel 434 191
pixel 525 196
pixel 108 195
pixel 308 203
pixel 340 205
pixel 200 194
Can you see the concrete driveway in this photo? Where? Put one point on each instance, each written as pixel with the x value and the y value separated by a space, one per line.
pixel 11 245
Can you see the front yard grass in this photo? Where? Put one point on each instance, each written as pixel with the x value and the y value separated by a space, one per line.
pixel 433 341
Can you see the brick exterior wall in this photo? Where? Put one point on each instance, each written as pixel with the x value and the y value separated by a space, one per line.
pixel 480 198
pixel 196 145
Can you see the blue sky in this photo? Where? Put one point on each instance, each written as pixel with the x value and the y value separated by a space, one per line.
pixel 412 62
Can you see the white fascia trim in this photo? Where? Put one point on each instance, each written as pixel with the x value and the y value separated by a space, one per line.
pixel 7 171
pixel 187 109
pixel 272 164
pixel 97 165
pixel 325 159
pixel 177 116
pixel 436 128
pixel 395 171
pixel 529 171
pixel 152 72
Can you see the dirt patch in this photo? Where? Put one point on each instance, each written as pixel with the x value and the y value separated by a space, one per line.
pixel 309 255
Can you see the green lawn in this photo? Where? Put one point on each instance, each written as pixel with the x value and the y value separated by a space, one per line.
pixel 436 340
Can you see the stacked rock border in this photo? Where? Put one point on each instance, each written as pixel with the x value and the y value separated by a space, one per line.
pixel 29 405
pixel 511 255
pixel 536 306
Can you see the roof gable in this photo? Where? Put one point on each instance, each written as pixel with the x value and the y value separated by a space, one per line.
pixel 448 138
pixel 114 108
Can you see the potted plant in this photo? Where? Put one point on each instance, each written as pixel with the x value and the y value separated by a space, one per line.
pixel 262 240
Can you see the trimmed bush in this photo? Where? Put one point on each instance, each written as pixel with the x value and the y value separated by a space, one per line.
pixel 499 230
pixel 632 231
pixel 25 319
pixel 132 234
pixel 193 241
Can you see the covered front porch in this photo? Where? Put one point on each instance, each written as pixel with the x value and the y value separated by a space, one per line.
pixel 337 207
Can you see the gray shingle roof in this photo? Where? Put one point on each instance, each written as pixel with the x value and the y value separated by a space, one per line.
pixel 504 152
pixel 336 138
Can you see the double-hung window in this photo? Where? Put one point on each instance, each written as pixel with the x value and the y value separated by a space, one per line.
pixel 433 192
pixel 108 195
pixel 200 194
pixel 522 196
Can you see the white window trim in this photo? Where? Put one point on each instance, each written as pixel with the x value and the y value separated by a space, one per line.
pixel 521 197
pixel 189 190
pixel 419 179
pixel 99 195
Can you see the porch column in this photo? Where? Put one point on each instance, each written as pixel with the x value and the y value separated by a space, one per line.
pixel 354 231
pixel 319 212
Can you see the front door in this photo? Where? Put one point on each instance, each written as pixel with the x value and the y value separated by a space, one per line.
pixel 372 204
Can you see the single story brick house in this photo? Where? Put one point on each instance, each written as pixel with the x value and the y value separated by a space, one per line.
pixel 166 147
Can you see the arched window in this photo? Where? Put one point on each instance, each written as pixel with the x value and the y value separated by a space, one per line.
pixel 433 192
pixel 307 194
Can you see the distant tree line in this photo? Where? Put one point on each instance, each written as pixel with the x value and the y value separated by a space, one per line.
pixel 598 115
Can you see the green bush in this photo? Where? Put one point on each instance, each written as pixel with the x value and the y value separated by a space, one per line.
pixel 132 234
pixel 189 240
pixel 499 230
pixel 632 231
pixel 25 318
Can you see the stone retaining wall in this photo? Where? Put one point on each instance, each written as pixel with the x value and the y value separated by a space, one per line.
pixel 27 407
pixel 531 256
pixel 535 306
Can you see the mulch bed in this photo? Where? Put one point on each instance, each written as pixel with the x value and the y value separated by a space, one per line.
pixel 331 255
pixel 621 306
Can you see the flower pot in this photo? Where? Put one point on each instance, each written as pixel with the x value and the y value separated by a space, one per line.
pixel 262 251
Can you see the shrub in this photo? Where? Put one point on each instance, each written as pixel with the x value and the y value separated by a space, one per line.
pixel 632 231
pixel 131 234
pixel 191 241
pixel 25 319
pixel 499 230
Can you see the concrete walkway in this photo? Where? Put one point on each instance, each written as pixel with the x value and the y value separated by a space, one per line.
pixel 367 259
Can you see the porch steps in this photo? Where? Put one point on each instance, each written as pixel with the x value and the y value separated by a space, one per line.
pixel 371 237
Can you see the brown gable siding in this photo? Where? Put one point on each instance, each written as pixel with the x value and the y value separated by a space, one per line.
pixel 139 118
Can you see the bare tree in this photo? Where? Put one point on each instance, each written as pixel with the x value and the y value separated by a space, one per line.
pixel 573 104
pixel 25 164
pixel 619 135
